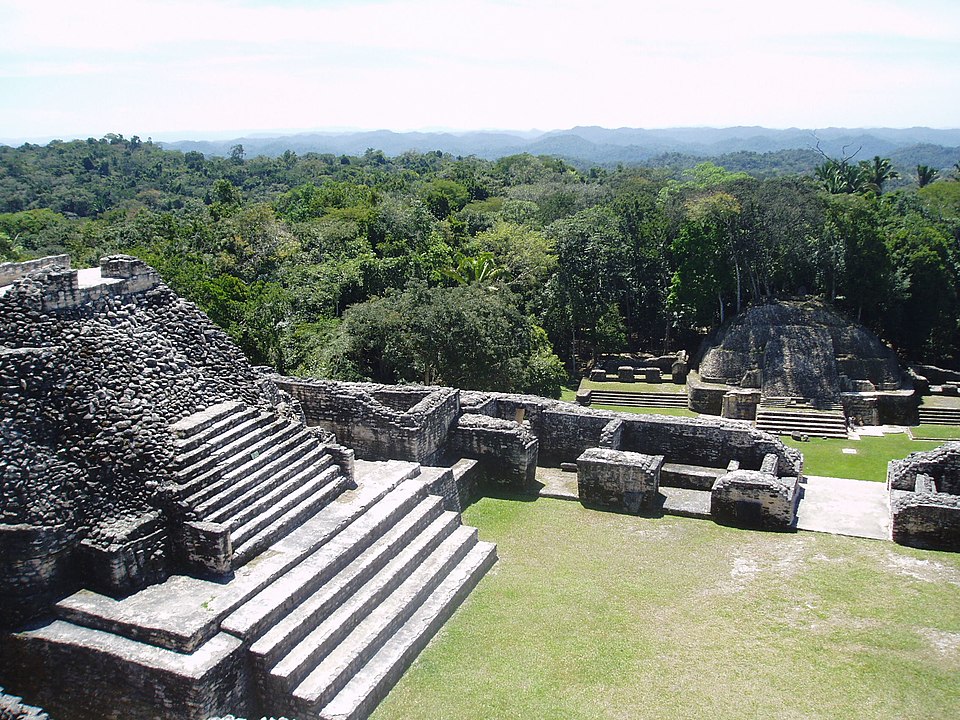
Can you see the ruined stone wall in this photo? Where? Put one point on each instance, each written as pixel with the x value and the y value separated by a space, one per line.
pixel 143 683
pixel 13 708
pixel 90 379
pixel 565 430
pixel 507 452
pixel 925 498
pixel 406 422
pixel 942 464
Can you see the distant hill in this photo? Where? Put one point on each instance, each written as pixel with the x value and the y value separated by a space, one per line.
pixel 747 147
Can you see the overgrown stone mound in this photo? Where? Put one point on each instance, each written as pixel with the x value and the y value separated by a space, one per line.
pixel 799 349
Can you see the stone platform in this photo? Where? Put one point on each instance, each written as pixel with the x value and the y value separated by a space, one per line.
pixel 320 624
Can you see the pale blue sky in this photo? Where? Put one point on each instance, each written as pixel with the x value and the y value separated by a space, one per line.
pixel 178 68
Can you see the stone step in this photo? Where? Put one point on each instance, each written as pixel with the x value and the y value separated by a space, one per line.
pixel 220 433
pixel 239 473
pixel 253 591
pixel 195 425
pixel 273 488
pixel 604 397
pixel 293 627
pixel 939 416
pixel 328 677
pixel 256 449
pixel 273 526
pixel 247 432
pixel 288 590
pixel 376 678
pixel 262 513
pixel 284 660
pixel 276 465
pixel 811 420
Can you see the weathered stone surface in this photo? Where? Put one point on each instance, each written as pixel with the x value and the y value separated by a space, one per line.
pixel 598 375
pixel 616 480
pixel 408 422
pixel 803 349
pixel 740 404
pixel 95 364
pixel 505 450
pixel 13 708
pixel 754 499
pixel 625 374
pixel 925 498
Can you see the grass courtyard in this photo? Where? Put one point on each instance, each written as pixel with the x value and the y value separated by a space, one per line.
pixel 597 615
pixel 825 456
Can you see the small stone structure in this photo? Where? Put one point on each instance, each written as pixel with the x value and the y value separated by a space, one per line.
pixel 617 480
pixel 925 498
pixel 756 499
pixel 625 374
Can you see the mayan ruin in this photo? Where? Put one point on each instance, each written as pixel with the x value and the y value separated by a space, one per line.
pixel 185 535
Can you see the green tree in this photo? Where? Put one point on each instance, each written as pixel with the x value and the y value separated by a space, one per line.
pixel 925 175
pixel 876 172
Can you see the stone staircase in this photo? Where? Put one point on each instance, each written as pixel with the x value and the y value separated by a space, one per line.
pixel 639 399
pixel 253 472
pixel 320 625
pixel 785 416
pixel 939 416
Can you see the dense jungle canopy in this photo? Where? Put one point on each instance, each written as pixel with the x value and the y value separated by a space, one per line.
pixel 491 274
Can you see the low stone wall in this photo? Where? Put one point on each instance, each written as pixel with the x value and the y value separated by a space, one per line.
pixel 10 272
pixel 506 451
pixel 754 499
pixel 620 481
pixel 925 520
pixel 143 682
pixel 128 554
pixel 13 708
pixel 405 422
pixel 704 397
pixel 38 567
pixel 925 498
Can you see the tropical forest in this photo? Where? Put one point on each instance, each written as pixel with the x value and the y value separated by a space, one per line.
pixel 506 274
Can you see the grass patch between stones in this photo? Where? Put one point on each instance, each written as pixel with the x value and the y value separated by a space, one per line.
pixel 593 615
pixel 634 387
pixel 936 432
pixel 825 456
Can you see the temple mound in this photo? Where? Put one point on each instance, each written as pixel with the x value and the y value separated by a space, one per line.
pixel 800 352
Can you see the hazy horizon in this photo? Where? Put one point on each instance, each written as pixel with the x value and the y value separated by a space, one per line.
pixel 177 69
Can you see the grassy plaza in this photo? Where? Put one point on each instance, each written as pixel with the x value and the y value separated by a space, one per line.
pixel 598 615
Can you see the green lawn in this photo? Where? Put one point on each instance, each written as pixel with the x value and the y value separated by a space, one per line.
pixel 825 456
pixel 936 432
pixel 592 615
pixel 636 387
pixel 679 412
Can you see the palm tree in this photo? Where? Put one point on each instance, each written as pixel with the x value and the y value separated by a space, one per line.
pixel 876 172
pixel 474 270
pixel 925 175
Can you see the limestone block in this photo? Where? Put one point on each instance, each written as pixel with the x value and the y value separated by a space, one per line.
pixel 618 480
pixel 652 375
pixel 625 373
pixel 740 404
pixel 754 499
pixel 205 547
pixel 584 397
pixel 598 375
